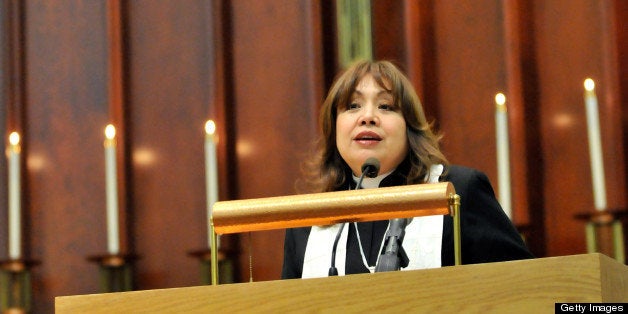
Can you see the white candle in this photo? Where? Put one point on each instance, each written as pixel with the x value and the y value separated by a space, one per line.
pixel 113 241
pixel 595 145
pixel 211 172
pixel 15 232
pixel 503 154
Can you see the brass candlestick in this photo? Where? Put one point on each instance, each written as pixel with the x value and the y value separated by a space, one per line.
pixel 225 272
pixel 604 233
pixel 15 285
pixel 116 271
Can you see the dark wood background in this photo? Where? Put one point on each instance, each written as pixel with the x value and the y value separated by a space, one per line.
pixel 159 69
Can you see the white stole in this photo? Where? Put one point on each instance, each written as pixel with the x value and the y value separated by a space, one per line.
pixel 422 242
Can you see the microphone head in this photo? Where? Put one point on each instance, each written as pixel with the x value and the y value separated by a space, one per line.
pixel 371 167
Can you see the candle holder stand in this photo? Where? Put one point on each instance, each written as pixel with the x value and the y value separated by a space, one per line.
pixel 115 271
pixel 225 265
pixel 604 233
pixel 15 286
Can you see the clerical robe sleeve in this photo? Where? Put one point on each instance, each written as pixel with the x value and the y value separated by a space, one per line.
pixel 294 252
pixel 488 235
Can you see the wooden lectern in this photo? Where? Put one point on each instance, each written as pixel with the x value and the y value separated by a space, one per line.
pixel 516 286
pixel 526 286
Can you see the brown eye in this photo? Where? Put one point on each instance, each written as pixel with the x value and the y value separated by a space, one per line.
pixel 352 106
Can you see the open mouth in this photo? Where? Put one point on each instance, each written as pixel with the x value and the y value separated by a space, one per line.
pixel 367 137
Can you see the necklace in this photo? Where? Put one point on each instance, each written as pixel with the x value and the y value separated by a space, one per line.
pixel 370 183
pixel 364 261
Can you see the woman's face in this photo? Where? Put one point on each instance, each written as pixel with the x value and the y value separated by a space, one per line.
pixel 371 126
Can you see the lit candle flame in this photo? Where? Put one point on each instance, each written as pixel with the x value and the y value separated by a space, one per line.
pixel 210 127
pixel 500 101
pixel 110 131
pixel 14 138
pixel 589 85
pixel 500 98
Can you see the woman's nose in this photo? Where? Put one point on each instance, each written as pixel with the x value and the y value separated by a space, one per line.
pixel 368 117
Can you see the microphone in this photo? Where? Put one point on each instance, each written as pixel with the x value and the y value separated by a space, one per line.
pixel 393 256
pixel 370 168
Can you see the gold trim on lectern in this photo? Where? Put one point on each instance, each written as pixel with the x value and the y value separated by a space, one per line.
pixel 335 207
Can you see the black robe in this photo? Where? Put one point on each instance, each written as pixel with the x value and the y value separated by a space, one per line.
pixel 487 233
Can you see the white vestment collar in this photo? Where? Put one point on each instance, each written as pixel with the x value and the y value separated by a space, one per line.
pixel 422 242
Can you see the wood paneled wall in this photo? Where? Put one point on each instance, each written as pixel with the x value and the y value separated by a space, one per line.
pixel 65 107
pixel 260 69
pixel 275 105
pixel 562 115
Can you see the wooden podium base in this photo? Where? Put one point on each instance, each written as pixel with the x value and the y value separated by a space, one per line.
pixel 15 285
pixel 116 271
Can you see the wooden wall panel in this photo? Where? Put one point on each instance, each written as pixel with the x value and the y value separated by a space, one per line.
pixel 387 24
pixel 66 110
pixel 277 81
pixel 420 52
pixel 403 34
pixel 168 100
pixel 477 53
pixel 575 41
pixel 621 14
pixel 526 156
pixel 459 55
pixel 470 64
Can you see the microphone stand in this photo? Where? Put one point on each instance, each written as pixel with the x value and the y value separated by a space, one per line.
pixel 393 256
pixel 333 271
